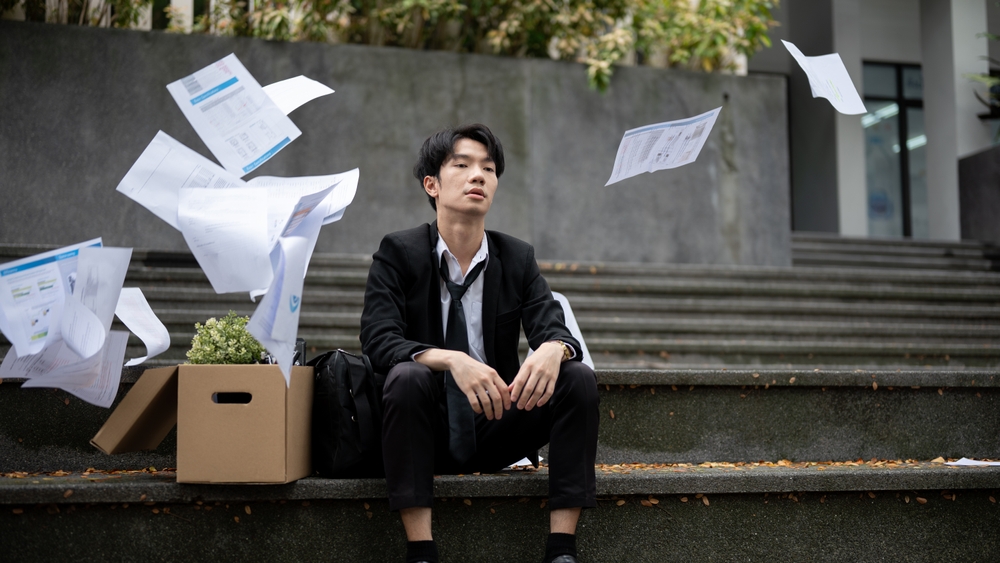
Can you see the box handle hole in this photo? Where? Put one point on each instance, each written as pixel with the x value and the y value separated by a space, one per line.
pixel 231 398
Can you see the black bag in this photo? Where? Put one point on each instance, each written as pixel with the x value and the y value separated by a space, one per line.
pixel 346 416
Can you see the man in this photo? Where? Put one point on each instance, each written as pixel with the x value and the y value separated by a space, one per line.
pixel 441 313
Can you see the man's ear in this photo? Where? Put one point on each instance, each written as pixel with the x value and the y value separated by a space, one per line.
pixel 431 186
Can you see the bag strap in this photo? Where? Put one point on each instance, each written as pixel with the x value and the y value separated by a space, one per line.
pixel 362 381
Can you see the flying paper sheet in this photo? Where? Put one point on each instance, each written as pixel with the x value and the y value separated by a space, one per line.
pixel 166 166
pixel 134 312
pixel 662 146
pixel 89 312
pixel 275 322
pixel 94 380
pixel 226 231
pixel 33 291
pixel 233 116
pixel 290 94
pixel 285 191
pixel 828 78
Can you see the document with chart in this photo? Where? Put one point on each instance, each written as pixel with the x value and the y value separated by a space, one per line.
pixel 233 115
pixel 661 146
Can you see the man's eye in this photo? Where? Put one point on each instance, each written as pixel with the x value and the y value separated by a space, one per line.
pixel 488 169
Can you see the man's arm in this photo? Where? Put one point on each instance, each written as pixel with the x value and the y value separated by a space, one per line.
pixel 383 321
pixel 545 327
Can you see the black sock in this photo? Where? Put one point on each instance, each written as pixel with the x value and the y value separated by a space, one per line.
pixel 559 544
pixel 421 551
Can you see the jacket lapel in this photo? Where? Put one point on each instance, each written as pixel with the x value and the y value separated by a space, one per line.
pixel 434 291
pixel 491 294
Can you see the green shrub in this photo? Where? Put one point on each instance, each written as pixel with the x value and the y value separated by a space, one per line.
pixel 224 341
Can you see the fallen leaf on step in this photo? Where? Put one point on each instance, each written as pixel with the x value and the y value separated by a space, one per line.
pixel 68 493
pixel 612 413
pixel 921 500
pixel 645 503
pixel 938 460
pixel 468 502
pixel 246 509
pixel 620 503
pixel 704 500
pixel 684 499
pixel 874 386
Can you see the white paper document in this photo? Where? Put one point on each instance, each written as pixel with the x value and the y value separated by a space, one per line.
pixel 134 312
pixel 275 322
pixel 283 192
pixel 828 78
pixel 33 292
pixel 292 93
pixel 94 380
pixel 662 146
pixel 972 462
pixel 226 231
pixel 166 166
pixel 238 122
pixel 100 275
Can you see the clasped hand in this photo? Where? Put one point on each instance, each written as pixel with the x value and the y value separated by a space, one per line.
pixel 487 393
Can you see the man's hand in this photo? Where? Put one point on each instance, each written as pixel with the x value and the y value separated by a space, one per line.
pixel 486 391
pixel 536 380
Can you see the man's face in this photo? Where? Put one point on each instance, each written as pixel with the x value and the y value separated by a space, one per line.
pixel 467 180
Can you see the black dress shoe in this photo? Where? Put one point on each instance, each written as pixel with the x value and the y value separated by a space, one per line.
pixel 565 559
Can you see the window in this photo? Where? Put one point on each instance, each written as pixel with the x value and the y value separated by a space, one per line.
pixel 895 153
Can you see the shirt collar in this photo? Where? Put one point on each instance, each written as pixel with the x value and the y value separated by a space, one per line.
pixel 454 270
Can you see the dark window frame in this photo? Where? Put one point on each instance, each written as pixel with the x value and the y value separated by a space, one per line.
pixel 904 134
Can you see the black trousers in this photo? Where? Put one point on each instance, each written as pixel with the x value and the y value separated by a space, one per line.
pixel 415 436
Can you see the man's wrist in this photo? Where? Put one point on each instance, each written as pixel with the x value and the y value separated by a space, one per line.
pixel 567 352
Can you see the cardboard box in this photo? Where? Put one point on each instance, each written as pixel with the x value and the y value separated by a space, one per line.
pixel 235 423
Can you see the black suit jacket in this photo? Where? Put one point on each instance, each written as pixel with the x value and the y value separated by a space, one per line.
pixel 402 312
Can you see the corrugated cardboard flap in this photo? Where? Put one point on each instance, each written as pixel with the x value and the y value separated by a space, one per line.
pixel 144 417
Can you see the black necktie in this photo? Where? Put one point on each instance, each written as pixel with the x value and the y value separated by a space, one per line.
pixel 461 420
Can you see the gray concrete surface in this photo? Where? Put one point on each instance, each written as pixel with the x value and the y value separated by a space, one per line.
pixel 78 105
pixel 658 417
pixel 979 195
pixel 862 522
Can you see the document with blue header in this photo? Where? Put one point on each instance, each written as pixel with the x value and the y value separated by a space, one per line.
pixel 232 114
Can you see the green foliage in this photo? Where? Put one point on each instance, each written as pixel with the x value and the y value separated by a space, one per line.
pixel 702 35
pixel 97 13
pixel 224 341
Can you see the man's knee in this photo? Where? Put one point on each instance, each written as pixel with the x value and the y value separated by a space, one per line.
pixel 408 381
pixel 577 382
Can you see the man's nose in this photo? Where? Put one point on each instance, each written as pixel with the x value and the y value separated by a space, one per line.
pixel 477 175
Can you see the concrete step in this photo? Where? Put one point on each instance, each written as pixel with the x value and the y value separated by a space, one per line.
pixel 826 251
pixel 659 416
pixel 878 512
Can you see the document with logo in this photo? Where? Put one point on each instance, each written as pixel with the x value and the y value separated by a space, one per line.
pixel 233 115
pixel 95 379
pixel 226 231
pixel 275 322
pixel 289 95
pixel 33 292
pixel 661 146
pixel 828 78
pixel 134 312
pixel 166 166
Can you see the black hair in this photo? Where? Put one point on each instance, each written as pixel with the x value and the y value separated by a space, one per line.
pixel 440 146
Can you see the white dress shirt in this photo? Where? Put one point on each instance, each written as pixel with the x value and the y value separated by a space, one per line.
pixel 472 301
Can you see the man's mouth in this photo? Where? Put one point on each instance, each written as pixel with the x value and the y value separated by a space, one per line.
pixel 477 192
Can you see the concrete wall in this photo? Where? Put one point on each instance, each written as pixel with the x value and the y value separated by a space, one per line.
pixel 979 195
pixel 78 106
pixel 890 31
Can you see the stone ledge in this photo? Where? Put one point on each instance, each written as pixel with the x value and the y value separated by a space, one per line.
pixel 162 487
